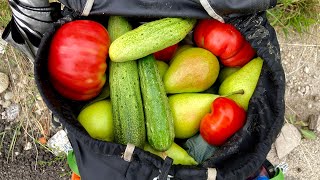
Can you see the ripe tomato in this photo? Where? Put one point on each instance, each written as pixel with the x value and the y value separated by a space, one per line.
pixel 77 59
pixel 224 41
pixel 166 54
pixel 225 119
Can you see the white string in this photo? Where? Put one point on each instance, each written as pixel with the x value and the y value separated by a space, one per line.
pixel 206 5
pixel 87 8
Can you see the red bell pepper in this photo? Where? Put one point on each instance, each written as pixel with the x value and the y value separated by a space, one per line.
pixel 225 119
pixel 224 41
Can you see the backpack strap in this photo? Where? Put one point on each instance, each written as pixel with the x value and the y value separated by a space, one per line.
pixel 212 174
pixel 87 8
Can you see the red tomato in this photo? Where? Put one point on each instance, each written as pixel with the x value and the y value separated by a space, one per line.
pixel 201 29
pixel 77 59
pixel 166 54
pixel 245 54
pixel 224 41
pixel 225 119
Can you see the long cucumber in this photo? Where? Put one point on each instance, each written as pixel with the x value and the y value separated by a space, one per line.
pixel 128 116
pixel 159 118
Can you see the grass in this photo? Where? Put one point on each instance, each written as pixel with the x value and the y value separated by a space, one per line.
pixel 13 141
pixel 2 134
pixel 57 159
pixel 295 15
pixel 61 160
pixel 5 13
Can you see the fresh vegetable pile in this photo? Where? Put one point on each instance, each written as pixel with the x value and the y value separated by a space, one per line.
pixel 168 97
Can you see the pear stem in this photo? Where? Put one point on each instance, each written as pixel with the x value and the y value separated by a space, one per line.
pixel 241 91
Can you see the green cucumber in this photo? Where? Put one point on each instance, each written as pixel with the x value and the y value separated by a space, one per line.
pixel 127 107
pixel 159 118
pixel 149 38
pixel 117 26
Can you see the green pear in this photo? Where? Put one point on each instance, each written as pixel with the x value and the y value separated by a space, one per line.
pixel 188 109
pixel 225 72
pixel 180 49
pixel 177 153
pixel 192 70
pixel 163 67
pixel 245 79
pixel 96 119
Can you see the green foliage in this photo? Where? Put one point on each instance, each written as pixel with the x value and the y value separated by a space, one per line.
pixel 297 15
pixel 57 159
pixel 303 127
pixel 5 14
pixel 306 133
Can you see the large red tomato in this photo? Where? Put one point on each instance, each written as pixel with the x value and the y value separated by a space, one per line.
pixel 224 41
pixel 77 59
pixel 225 119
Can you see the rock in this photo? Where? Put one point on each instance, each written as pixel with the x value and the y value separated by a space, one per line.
pixel 3 115
pixel 6 104
pixel 39 98
pixel 20 85
pixel 38 112
pixel 13 111
pixel 16 153
pixel 3 44
pixel 14 76
pixel 8 95
pixel 307 89
pixel 289 138
pixel 306 70
pixel 316 98
pixel 314 122
pixel 59 143
pixel 4 82
pixel 28 146
pixel 309 105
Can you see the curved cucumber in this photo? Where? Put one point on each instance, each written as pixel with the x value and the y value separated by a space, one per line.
pixel 149 38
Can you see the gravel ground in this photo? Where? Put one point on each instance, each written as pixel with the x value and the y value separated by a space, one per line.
pixel 301 61
pixel 34 164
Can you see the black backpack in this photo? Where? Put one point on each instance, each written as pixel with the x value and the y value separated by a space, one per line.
pixel 240 157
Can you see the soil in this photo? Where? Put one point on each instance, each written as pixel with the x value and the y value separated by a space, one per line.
pixel 300 58
pixel 33 121
pixel 33 164
pixel 301 61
